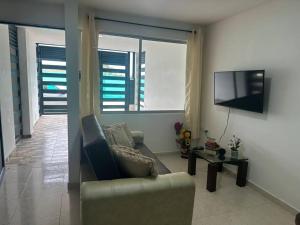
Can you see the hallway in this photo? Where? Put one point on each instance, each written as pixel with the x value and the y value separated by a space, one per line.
pixel 34 189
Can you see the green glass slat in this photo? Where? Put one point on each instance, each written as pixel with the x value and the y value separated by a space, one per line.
pixel 113 88
pixel 55 91
pixel 105 96
pixel 54 83
pixel 59 71
pixel 113 82
pixel 113 74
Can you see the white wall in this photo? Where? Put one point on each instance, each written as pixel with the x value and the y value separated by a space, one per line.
pixel 72 60
pixel 6 97
pixel 32 13
pixel 28 38
pixel 267 37
pixel 158 128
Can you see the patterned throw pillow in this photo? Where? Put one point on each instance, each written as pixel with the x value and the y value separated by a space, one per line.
pixel 125 148
pixel 119 134
pixel 134 164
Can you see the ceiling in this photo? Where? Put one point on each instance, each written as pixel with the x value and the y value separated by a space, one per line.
pixel 189 11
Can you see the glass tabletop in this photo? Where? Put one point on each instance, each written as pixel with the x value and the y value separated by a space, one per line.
pixel 215 159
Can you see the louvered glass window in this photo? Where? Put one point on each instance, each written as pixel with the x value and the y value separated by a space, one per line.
pixel 52 79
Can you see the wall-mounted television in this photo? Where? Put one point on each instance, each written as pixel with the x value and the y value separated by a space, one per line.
pixel 240 89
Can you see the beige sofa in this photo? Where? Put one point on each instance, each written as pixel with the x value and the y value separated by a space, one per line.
pixel 165 200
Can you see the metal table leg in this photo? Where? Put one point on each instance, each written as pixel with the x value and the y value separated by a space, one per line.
pixel 212 171
pixel 241 178
pixel 192 164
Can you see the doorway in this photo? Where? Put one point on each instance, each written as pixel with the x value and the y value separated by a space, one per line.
pixel 52 79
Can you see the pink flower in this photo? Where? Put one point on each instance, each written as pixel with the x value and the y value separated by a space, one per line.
pixel 178 126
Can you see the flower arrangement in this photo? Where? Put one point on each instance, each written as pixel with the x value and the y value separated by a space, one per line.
pixel 234 143
pixel 183 139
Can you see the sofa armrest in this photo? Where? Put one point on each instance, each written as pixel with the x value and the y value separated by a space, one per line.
pixel 138 136
pixel 167 199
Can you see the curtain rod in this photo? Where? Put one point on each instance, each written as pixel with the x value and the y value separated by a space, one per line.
pixel 145 25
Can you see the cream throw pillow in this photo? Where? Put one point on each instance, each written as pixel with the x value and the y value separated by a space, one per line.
pixel 134 164
pixel 120 136
pixel 108 132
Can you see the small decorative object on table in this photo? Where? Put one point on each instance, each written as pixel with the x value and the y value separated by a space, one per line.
pixel 183 139
pixel 211 146
pixel 234 145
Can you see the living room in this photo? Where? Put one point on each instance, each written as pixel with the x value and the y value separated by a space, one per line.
pixel 203 39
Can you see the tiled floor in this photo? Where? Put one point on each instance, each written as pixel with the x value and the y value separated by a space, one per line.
pixel 230 204
pixel 34 189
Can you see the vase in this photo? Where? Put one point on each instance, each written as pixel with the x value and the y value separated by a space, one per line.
pixel 234 154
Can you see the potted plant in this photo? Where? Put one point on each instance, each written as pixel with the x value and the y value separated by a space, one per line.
pixel 234 145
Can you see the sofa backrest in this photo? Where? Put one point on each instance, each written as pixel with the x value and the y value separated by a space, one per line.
pixel 97 151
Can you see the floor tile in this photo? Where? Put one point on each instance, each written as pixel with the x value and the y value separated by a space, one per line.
pixel 230 204
pixel 34 189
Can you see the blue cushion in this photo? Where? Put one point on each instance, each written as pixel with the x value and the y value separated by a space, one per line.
pixel 97 150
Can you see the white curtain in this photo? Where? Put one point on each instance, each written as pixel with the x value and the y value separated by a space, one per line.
pixel 193 82
pixel 89 82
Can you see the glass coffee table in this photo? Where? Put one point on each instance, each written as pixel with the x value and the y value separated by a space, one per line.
pixel 215 165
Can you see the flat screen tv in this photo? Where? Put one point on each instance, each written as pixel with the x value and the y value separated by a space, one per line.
pixel 240 89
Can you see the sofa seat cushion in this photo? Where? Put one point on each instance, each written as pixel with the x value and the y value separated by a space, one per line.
pixel 162 169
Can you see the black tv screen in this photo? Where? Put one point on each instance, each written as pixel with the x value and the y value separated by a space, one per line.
pixel 240 89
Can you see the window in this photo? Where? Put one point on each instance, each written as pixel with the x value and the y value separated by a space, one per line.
pixel 141 75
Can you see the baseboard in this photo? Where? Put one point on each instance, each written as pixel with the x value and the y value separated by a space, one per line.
pixel 267 194
pixel 273 198
pixel 26 136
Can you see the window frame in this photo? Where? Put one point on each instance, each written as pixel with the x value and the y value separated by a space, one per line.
pixel 141 38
